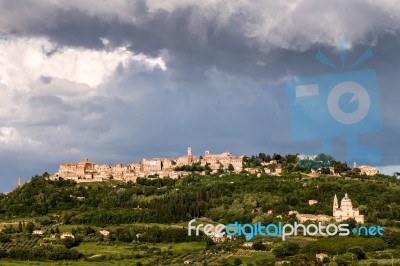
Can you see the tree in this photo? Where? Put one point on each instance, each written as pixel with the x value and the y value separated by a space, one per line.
pixel 351 222
pixel 258 245
pixel 358 251
pixel 70 242
pixel 29 227
pixel 208 242
pixel 237 262
pixel 302 260
pixel 276 157
pixel 391 238
pixel 286 249
pixel 263 157
pixel 4 238
pixel 20 228
pixel 230 167
pixel 280 251
pixel 291 158
pixel 292 200
pixel 343 260
pixel 293 248
pixel 339 167
pixel 325 171
pixel 3 253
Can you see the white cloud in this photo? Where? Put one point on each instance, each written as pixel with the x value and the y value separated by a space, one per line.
pixel 11 139
pixel 7 134
pixel 24 60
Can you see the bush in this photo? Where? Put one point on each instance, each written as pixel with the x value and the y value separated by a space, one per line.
pixel 237 262
pixel 4 238
pixel 258 246
pixel 340 245
pixel 359 252
pixel 50 252
pixel 3 253
pixel 70 242
pixel 45 221
pixel 286 249
pixel 344 260
pixel 302 260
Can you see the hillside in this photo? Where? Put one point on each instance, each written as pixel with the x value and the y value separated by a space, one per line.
pixel 144 207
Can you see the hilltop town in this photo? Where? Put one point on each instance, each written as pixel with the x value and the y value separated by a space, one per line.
pixel 86 171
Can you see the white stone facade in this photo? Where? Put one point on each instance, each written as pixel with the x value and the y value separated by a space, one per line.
pixel 345 210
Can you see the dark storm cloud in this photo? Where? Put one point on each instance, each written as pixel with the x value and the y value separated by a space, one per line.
pixel 197 40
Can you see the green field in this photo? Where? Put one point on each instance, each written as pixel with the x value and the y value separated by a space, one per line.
pixel 69 227
pixel 10 262
pixel 118 252
pixel 122 249
pixel 257 256
pixel 91 249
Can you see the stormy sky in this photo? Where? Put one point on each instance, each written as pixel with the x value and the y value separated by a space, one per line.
pixel 117 81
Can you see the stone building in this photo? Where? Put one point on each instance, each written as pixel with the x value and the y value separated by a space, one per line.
pixel 302 218
pixel 75 171
pixel 223 160
pixel 340 213
pixel 104 170
pixel 187 159
pixel 312 202
pixel 345 210
pixel 366 169
pixel 156 165
pixel 86 171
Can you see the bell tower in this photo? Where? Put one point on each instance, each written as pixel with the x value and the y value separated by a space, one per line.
pixel 335 204
pixel 20 183
pixel 190 156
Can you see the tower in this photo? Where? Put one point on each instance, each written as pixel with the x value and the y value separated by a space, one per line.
pixel 189 155
pixel 20 183
pixel 335 204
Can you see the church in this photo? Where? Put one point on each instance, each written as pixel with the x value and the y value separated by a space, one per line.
pixel 340 213
pixel 345 210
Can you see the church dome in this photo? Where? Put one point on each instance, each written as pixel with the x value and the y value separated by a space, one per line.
pixel 346 200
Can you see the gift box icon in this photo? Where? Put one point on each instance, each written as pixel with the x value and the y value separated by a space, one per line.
pixel 333 105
